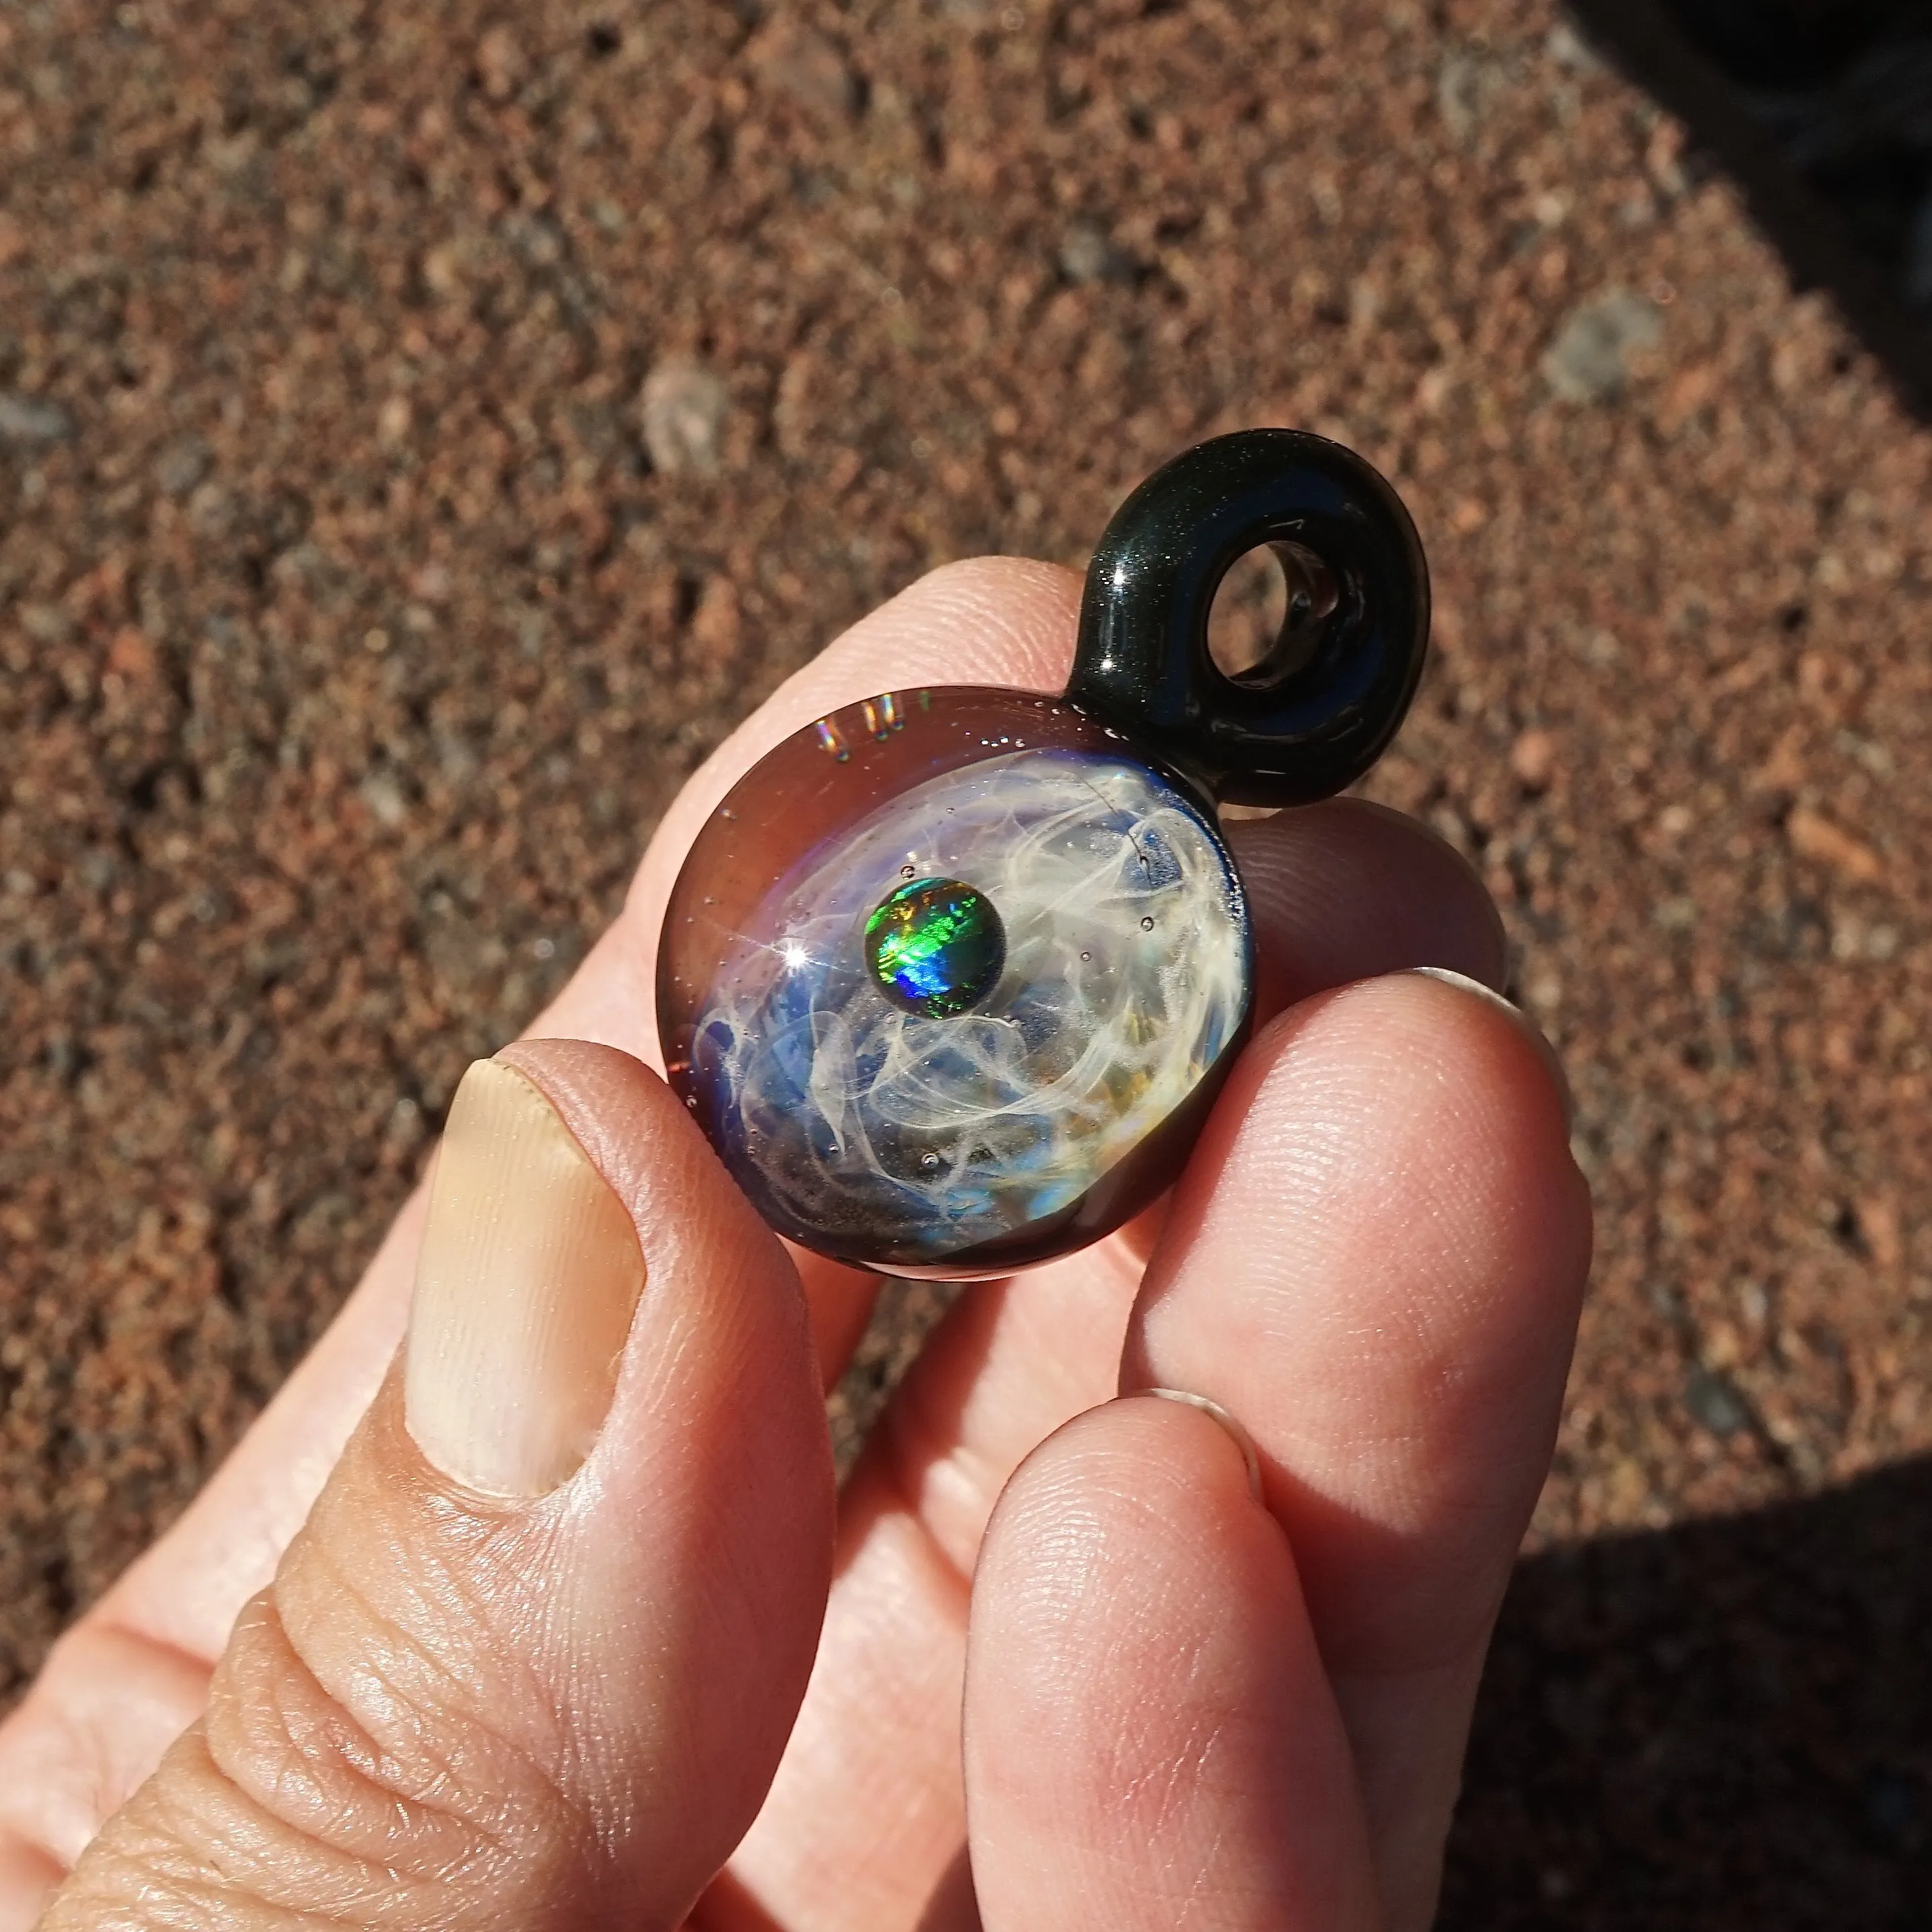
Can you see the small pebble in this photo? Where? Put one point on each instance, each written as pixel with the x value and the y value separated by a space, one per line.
pixel 684 408
pixel 1533 759
pixel 31 422
pixel 1589 362
pixel 1713 1399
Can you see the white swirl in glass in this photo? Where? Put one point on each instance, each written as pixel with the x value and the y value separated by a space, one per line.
pixel 918 1137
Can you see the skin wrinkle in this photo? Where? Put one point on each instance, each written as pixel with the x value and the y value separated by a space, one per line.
pixel 1197 1889
pixel 371 1766
pixel 189 1894
pixel 435 1769
pixel 1209 1856
pixel 369 1686
pixel 1167 1770
pixel 317 1741
pixel 490 1544
pixel 378 1770
pixel 220 1861
pixel 296 1782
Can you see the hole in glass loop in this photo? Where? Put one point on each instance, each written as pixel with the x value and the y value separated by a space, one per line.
pixel 1268 613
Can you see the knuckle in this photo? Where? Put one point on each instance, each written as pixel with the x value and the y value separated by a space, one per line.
pixel 305 1791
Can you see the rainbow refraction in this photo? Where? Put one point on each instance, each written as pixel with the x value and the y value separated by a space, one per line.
pixel 935 946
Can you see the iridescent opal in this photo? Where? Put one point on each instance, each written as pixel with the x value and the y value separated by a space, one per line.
pixel 935 946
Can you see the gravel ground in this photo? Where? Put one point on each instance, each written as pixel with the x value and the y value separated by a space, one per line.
pixel 424 429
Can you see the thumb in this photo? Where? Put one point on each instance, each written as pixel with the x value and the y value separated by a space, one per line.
pixel 533 1659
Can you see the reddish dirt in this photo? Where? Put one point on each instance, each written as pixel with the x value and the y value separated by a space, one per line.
pixel 424 429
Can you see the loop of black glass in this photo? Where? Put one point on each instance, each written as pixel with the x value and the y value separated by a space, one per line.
pixel 1143 665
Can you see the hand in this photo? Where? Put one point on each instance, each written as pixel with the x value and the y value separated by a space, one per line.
pixel 536 1652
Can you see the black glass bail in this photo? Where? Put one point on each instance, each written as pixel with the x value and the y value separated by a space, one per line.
pixel 1143 663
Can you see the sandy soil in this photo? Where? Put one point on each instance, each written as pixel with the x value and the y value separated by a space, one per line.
pixel 424 429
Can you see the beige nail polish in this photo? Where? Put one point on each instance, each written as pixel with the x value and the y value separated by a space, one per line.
pixel 529 1273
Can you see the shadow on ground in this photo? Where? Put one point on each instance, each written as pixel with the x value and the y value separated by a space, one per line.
pixel 1727 1725
pixel 1821 111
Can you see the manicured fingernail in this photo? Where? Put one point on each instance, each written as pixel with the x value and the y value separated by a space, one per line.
pixel 529 1274
pixel 1242 1440
pixel 1523 1024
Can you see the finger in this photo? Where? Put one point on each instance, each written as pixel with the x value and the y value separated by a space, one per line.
pixel 140 1656
pixel 1350 889
pixel 866 1813
pixel 1347 890
pixel 1150 1738
pixel 531 1659
pixel 1376 1261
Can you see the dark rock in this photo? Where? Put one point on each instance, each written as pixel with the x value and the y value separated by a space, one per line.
pixel 1713 1399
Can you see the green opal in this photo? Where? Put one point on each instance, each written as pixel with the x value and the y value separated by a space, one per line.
pixel 935 947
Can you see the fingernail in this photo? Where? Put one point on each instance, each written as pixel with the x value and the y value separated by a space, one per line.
pixel 1242 1440
pixel 1523 1024
pixel 529 1274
